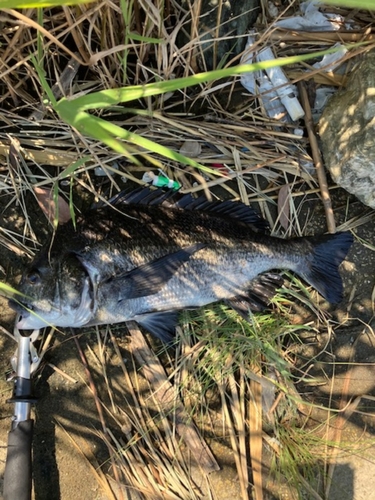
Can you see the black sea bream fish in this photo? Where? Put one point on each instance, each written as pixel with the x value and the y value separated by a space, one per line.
pixel 144 258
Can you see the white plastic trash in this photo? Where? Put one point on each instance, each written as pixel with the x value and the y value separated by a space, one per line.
pixel 284 89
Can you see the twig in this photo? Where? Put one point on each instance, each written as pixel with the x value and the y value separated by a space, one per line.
pixel 63 374
pixel 322 179
pixel 91 383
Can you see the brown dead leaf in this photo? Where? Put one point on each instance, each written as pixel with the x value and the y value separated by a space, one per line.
pixel 46 202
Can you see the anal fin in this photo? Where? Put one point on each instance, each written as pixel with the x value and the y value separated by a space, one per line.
pixel 258 295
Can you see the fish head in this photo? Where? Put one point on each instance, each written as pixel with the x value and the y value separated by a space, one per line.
pixel 54 292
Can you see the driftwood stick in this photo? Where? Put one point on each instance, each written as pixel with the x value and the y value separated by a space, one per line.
pixel 317 157
pixel 168 399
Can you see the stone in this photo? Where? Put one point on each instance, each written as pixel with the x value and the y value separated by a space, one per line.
pixel 347 129
pixel 226 19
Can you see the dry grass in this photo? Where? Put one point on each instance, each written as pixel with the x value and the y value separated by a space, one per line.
pixel 252 158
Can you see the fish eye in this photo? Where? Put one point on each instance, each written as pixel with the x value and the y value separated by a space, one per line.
pixel 33 277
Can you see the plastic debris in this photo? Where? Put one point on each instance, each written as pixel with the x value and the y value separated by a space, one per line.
pixel 286 91
pixel 191 148
pixel 308 167
pixel 322 95
pixel 101 172
pixel 270 99
pixel 249 80
pixel 221 167
pixel 273 11
pixel 298 132
pixel 312 19
pixel 160 180
pixel 277 93
pixel 329 60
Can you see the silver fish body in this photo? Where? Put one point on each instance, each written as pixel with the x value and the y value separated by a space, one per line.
pixel 145 258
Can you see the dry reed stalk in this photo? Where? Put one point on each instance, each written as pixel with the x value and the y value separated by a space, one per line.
pixel 234 442
pixel 17 247
pixel 30 22
pixel 54 158
pixel 322 178
pixel 151 460
pixel 318 76
pixel 103 366
pixel 238 412
pixel 77 35
pixel 255 431
pixel 62 373
pixel 320 37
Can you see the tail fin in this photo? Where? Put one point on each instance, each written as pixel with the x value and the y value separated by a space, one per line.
pixel 322 271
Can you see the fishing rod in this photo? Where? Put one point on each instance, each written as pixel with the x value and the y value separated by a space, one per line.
pixel 18 465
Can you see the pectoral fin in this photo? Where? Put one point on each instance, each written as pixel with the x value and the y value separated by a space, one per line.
pixel 149 278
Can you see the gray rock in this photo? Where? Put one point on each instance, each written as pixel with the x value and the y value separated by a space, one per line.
pixel 347 129
pixel 229 19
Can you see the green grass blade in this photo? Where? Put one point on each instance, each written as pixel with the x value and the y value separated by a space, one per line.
pixel 43 82
pixel 17 4
pixel 67 172
pixel 112 97
pixel 109 133
pixel 8 290
pixel 355 4
pixel 146 39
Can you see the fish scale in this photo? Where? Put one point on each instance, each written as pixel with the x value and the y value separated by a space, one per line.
pixel 144 257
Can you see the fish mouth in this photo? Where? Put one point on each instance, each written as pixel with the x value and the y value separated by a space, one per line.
pixel 31 317
pixel 26 319
pixel 20 307
pixel 23 312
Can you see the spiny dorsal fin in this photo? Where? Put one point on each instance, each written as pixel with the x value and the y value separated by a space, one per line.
pixel 142 196
pixel 226 209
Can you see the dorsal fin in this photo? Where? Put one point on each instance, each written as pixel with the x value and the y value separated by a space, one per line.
pixel 229 209
pixel 226 209
pixel 142 196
